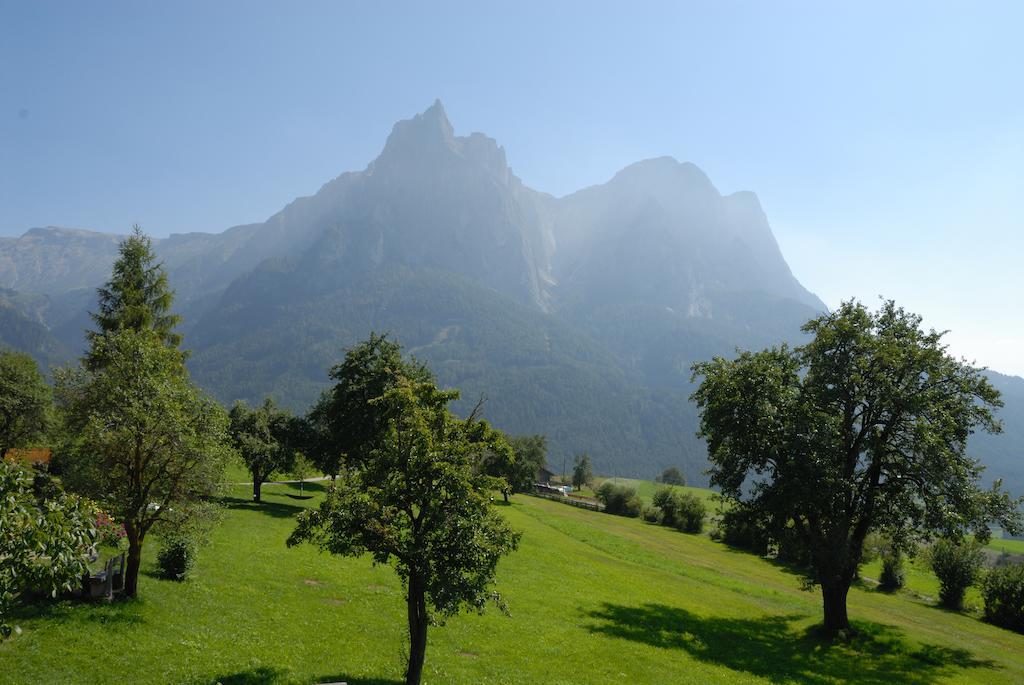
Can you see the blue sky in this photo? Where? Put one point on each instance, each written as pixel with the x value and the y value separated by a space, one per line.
pixel 884 140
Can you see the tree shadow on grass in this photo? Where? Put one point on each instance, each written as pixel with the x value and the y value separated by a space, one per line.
pixel 118 612
pixel 266 675
pixel 767 647
pixel 352 680
pixel 260 675
pixel 275 509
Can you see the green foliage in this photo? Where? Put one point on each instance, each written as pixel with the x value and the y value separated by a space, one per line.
pixel 619 499
pixel 864 428
pixel 517 470
pixel 531 454
pixel 690 514
pixel 582 471
pixel 137 297
pixel 957 564
pixel 411 494
pixel 25 401
pixel 45 537
pixel 650 513
pixel 741 526
pixel 1003 592
pixel 681 510
pixel 265 439
pixel 671 476
pixel 148 446
pixel 302 468
pixel 893 576
pixel 315 439
pixel 176 556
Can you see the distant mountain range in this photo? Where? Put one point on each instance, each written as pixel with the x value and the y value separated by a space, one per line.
pixel 576 316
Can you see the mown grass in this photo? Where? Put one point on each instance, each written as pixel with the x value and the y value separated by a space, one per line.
pixel 593 598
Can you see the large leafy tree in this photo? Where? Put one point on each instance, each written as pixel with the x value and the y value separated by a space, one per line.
pixel 25 401
pixel 265 437
pixel 518 473
pixel 148 446
pixel 411 494
pixel 137 297
pixel 863 429
pixel 45 537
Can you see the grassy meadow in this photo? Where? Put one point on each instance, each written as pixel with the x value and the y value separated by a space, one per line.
pixel 593 598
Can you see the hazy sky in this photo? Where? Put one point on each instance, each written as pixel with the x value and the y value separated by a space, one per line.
pixel 886 141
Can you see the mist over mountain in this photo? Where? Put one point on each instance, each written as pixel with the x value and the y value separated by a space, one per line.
pixel 576 316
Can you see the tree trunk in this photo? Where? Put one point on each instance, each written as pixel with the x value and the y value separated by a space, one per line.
pixel 417 606
pixel 834 600
pixel 257 483
pixel 505 493
pixel 131 572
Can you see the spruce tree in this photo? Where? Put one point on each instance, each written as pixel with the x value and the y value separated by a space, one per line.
pixel 137 297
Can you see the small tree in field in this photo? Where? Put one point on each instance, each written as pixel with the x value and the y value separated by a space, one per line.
pixel 582 472
pixel 864 428
pixel 263 437
pixel 957 564
pixel 671 476
pixel 302 468
pixel 148 446
pixel 411 493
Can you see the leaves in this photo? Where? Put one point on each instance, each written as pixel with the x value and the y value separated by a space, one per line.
pixel 864 428
pixel 411 494
pixel 45 538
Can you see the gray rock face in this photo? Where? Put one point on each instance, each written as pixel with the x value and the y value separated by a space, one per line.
pixel 658 232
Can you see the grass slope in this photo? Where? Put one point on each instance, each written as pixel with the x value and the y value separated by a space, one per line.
pixel 594 599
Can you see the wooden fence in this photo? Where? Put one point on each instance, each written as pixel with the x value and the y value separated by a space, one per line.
pixel 572 501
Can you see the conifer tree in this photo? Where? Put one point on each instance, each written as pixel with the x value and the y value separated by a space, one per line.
pixel 137 297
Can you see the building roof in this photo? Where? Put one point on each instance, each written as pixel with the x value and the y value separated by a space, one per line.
pixel 28 455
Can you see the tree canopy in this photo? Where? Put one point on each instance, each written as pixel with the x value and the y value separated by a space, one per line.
pixel 411 493
pixel 265 437
pixel 671 476
pixel 25 401
pixel 517 469
pixel 862 429
pixel 148 446
pixel 136 297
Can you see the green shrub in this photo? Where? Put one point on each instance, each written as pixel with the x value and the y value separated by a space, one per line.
pixel 650 514
pixel 893 576
pixel 176 557
pixel 739 527
pixel 619 499
pixel 690 513
pixel 667 502
pixel 1003 592
pixel 956 564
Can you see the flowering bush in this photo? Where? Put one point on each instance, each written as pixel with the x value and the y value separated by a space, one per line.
pixel 110 532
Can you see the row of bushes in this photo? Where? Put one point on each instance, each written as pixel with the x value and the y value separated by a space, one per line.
pixel 681 510
pixel 670 507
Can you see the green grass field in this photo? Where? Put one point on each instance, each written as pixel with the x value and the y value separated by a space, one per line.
pixel 593 598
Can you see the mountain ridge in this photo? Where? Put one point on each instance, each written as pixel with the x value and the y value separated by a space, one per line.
pixel 579 315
